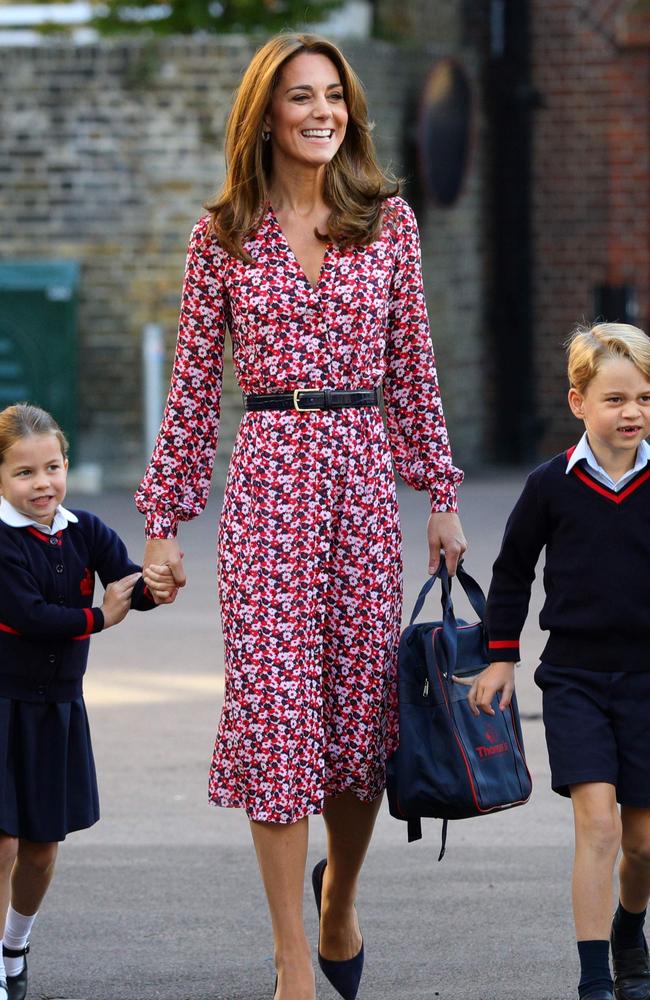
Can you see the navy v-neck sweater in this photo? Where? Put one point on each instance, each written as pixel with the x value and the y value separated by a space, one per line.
pixel 596 571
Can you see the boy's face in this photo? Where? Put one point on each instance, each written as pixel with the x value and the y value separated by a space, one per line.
pixel 615 408
pixel 33 476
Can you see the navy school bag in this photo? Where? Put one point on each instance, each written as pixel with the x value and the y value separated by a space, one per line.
pixel 451 764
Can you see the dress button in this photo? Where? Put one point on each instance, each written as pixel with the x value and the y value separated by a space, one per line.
pixel 59 567
pixel 52 658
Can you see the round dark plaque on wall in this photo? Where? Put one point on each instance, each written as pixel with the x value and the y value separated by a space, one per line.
pixel 443 133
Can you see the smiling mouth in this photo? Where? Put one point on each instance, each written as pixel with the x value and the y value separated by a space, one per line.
pixel 318 133
pixel 43 500
pixel 629 429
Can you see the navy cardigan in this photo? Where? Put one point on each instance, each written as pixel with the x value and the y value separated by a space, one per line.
pixel 46 614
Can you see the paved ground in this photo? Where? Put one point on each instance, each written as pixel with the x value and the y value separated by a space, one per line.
pixel 161 899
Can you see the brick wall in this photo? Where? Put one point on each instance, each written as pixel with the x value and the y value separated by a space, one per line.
pixel 109 151
pixel 440 22
pixel 591 189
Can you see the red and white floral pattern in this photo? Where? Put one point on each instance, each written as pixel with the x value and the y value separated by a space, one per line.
pixel 309 539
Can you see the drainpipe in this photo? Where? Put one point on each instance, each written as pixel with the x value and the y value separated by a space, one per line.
pixel 511 104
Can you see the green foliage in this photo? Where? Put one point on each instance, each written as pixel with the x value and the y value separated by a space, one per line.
pixel 183 17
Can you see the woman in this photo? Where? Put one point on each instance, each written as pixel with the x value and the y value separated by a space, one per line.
pixel 312 263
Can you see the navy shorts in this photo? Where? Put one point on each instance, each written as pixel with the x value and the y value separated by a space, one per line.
pixel 598 729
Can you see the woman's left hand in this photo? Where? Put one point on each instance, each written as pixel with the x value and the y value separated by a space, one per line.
pixel 445 532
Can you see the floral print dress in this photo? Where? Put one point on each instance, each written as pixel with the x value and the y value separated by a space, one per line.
pixel 309 564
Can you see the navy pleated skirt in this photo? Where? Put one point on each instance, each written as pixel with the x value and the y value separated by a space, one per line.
pixel 48 785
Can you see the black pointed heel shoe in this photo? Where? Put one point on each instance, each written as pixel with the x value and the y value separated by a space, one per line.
pixel 344 976
pixel 17 985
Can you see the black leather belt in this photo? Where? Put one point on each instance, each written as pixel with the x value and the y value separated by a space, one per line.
pixel 305 400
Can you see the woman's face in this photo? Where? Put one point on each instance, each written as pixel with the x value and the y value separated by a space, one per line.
pixel 307 116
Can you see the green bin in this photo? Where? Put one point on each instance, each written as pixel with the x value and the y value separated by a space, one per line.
pixel 38 338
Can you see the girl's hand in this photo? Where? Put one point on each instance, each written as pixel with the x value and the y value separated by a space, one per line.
pixel 160 581
pixel 499 676
pixel 444 531
pixel 165 552
pixel 117 599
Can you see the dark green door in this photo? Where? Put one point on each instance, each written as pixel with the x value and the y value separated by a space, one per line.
pixel 38 338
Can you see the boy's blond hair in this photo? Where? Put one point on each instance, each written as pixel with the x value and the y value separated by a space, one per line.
pixel 588 346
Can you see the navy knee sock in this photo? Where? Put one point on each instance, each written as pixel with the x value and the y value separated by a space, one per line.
pixel 628 928
pixel 594 967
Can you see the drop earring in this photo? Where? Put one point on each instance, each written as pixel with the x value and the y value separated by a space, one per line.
pixel 266 135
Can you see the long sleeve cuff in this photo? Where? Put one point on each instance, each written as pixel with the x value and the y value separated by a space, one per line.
pixel 443 496
pixel 503 650
pixel 94 620
pixel 160 524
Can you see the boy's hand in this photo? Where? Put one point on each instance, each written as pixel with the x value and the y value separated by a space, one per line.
pixel 160 581
pixel 499 676
pixel 117 599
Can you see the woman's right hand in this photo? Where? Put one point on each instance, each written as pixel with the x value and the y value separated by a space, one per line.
pixel 117 599
pixel 165 552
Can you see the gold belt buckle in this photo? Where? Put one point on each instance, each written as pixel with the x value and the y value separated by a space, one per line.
pixel 296 401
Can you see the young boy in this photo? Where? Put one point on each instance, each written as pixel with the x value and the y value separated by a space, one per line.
pixel 590 507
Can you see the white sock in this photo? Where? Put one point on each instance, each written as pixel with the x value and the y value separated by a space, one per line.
pixel 17 928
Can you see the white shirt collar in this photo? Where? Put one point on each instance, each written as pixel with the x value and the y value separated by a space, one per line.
pixel 583 453
pixel 9 515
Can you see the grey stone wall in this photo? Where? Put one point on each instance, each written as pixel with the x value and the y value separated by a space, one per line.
pixel 108 153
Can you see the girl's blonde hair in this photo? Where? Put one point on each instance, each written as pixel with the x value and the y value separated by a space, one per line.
pixel 22 420
pixel 355 185
pixel 588 346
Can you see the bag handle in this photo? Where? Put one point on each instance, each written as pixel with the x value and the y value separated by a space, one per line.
pixel 472 589
pixel 419 604
pixel 449 637
pixel 474 593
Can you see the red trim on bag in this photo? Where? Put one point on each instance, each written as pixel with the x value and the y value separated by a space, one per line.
pixel 458 739
pixel 468 768
pixel 523 756
pixel 9 629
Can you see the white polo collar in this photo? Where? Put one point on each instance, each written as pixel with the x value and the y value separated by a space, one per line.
pixel 62 517
pixel 583 453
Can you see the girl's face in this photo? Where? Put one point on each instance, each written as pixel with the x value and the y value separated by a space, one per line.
pixel 307 116
pixel 33 475
pixel 615 408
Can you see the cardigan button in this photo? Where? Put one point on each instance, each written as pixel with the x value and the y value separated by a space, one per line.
pixel 59 567
pixel 54 540
pixel 52 658
pixel 40 690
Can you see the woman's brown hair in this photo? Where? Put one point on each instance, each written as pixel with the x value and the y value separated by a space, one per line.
pixel 22 420
pixel 355 185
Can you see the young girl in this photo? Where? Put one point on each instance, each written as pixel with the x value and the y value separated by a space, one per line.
pixel 48 560
pixel 590 507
